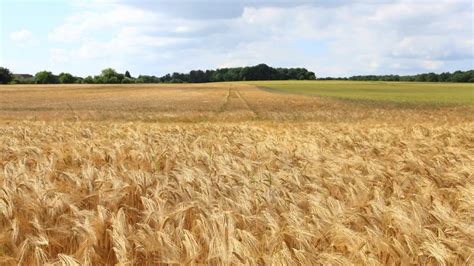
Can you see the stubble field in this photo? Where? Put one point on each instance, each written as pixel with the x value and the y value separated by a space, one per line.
pixel 227 173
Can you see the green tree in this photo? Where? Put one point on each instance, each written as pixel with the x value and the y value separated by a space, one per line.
pixel 310 76
pixel 444 77
pixel 15 80
pixel 127 80
pixel 66 78
pixel 421 77
pixel 127 74
pixel 109 75
pixel 5 75
pixel 45 77
pixel 113 80
pixel 89 80
pixel 197 76
pixel 232 74
pixel 99 79
pixel 176 80
pixel 431 77
pixel 460 76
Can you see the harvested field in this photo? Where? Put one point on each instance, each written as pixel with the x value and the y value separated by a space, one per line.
pixel 232 174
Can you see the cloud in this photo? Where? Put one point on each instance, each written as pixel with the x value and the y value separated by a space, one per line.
pixel 329 37
pixel 22 36
pixel 86 23
pixel 128 42
pixel 58 56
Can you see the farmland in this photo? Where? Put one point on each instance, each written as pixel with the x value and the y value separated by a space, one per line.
pixel 230 173
pixel 407 93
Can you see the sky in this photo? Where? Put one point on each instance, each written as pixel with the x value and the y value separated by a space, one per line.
pixel 331 38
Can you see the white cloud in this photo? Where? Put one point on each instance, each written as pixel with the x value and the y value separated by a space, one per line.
pixel 128 42
pixel 86 23
pixel 58 56
pixel 21 36
pixel 344 38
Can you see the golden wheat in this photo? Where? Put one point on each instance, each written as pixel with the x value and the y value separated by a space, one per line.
pixel 229 193
pixel 88 177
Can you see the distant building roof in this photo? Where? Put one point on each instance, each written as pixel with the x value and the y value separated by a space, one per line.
pixel 23 75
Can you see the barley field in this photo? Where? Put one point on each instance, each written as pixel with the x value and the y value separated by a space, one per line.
pixel 228 173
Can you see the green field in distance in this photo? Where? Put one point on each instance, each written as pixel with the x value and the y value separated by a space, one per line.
pixel 377 91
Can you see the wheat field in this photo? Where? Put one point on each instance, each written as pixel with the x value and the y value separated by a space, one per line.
pixel 230 174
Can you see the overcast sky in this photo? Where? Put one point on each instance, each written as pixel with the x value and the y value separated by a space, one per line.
pixel 331 38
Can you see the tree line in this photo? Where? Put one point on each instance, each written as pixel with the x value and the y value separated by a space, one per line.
pixel 111 76
pixel 457 76
pixel 258 72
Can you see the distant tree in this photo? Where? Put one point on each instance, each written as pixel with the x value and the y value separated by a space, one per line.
pixel 147 79
pixel 457 76
pixel 407 78
pixel 232 74
pixel 460 76
pixel 245 73
pixel 258 72
pixel 45 77
pixel 176 80
pixel 431 77
pixel 66 78
pixel 293 73
pixel 197 76
pixel 165 78
pixel 15 80
pixel 179 78
pixel 282 74
pixel 89 80
pixel 108 74
pixel 99 79
pixel 23 79
pixel 113 80
pixel 120 77
pixel 421 77
pixel 261 72
pixel 470 75
pixel 310 76
pixel 217 76
pixel 5 75
pixel 208 75
pixel 444 77
pixel 127 80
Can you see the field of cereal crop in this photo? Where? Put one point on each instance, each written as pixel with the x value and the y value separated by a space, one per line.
pixel 228 173
pixel 398 93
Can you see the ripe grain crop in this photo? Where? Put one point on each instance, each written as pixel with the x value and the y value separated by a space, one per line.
pixel 284 179
pixel 235 193
pixel 215 102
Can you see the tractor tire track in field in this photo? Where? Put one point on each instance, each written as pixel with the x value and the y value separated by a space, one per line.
pixel 235 102
pixel 246 103
pixel 226 102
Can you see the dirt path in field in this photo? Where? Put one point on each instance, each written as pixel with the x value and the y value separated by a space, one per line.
pixel 235 102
